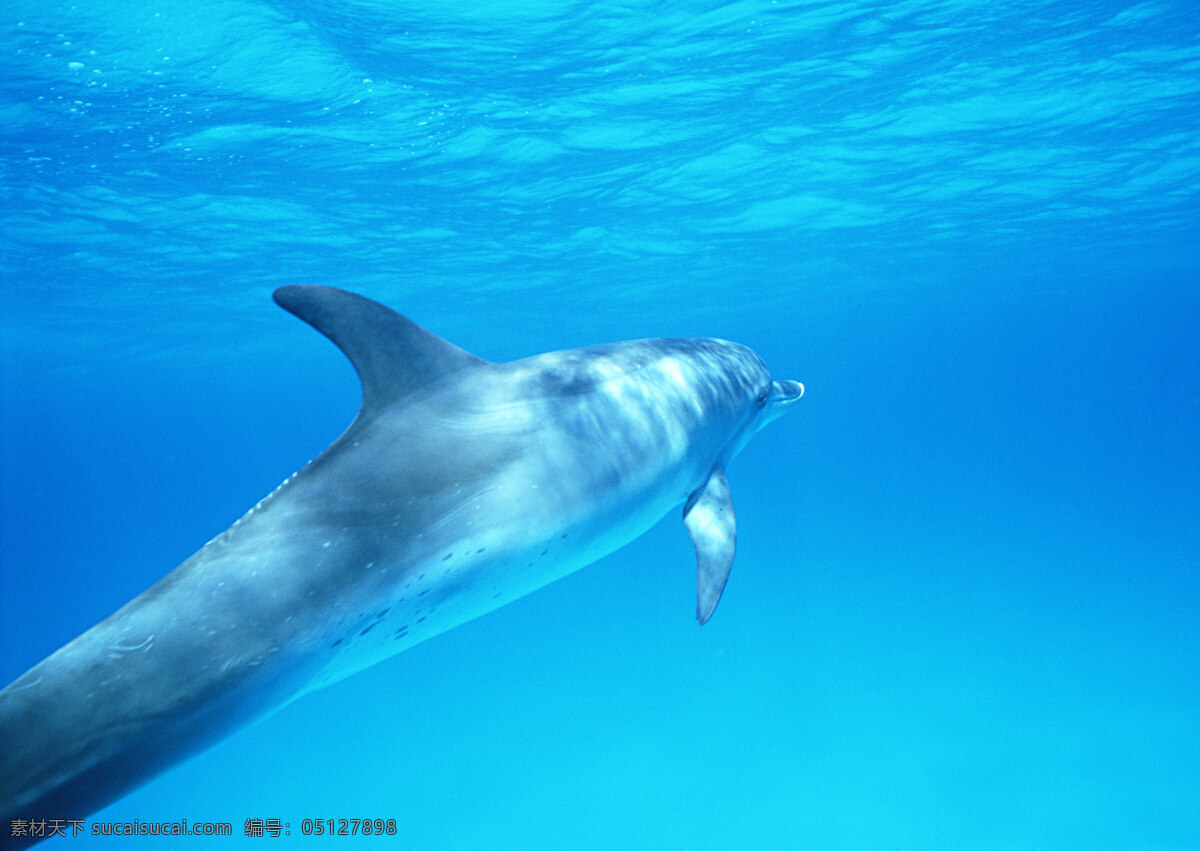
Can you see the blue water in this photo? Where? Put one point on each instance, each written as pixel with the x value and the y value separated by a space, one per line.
pixel 965 611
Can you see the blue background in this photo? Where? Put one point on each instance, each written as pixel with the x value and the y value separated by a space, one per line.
pixel 965 611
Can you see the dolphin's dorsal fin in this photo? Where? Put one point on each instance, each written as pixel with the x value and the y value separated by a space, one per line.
pixel 713 527
pixel 392 355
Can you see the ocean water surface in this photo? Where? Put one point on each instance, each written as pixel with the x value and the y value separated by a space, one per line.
pixel 965 610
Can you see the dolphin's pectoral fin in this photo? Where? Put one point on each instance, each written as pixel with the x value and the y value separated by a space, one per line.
pixel 392 355
pixel 710 521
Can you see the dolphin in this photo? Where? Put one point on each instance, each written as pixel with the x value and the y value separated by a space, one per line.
pixel 460 486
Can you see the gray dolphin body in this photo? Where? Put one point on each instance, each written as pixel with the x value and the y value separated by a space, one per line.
pixel 460 486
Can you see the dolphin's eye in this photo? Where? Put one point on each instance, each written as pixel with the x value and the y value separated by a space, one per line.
pixel 762 396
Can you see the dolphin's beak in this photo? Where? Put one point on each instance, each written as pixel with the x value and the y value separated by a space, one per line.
pixel 784 394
